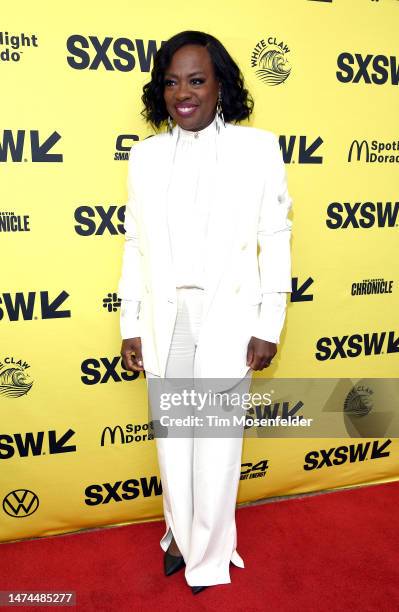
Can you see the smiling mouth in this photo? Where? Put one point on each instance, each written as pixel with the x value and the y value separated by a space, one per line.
pixel 186 110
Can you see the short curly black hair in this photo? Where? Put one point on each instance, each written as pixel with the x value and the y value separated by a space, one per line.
pixel 237 102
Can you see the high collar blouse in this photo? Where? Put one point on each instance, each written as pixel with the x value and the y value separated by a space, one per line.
pixel 188 203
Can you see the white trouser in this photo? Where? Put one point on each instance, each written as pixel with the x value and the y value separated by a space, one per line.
pixel 200 476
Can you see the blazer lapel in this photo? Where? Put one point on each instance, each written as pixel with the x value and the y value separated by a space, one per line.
pixel 155 210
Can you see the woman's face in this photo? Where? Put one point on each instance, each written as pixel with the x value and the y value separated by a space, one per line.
pixel 191 88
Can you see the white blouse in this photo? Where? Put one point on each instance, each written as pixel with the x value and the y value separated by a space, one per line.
pixel 188 210
pixel 188 203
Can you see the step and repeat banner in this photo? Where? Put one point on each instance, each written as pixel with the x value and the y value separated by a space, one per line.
pixel 76 447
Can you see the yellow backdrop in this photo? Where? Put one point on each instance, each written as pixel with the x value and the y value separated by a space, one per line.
pixel 324 76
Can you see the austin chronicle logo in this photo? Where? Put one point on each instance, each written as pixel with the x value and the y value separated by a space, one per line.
pixel 359 401
pixel 269 59
pixel 14 381
pixel 20 503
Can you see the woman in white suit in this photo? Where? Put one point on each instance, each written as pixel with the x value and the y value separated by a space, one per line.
pixel 198 301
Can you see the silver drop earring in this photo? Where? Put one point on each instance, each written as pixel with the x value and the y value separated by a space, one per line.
pixel 219 112
pixel 170 124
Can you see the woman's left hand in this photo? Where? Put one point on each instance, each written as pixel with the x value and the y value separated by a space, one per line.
pixel 260 353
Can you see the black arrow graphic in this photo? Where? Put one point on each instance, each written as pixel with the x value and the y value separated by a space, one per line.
pixel 50 309
pixel 377 452
pixel 298 292
pixel 58 446
pixel 393 343
pixel 40 152
pixel 305 154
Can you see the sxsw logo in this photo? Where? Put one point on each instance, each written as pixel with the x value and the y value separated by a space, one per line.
pixel 33 305
pixel 122 490
pixel 123 54
pixel 285 410
pixel 301 150
pixel 369 69
pixel 353 453
pixel 36 443
pixel 98 220
pixel 375 343
pixel 343 215
pixel 104 370
pixel 13 145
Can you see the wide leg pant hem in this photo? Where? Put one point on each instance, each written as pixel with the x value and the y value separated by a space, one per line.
pixel 210 581
pixel 166 539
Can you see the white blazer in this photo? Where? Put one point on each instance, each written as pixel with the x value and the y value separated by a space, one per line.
pixel 249 208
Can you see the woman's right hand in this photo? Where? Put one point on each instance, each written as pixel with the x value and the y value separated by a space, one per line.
pixel 131 354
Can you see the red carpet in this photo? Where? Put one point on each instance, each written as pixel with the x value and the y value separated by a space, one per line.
pixel 328 552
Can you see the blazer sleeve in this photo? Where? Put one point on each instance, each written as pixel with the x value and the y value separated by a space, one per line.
pixel 129 319
pixel 130 282
pixel 274 239
pixel 274 227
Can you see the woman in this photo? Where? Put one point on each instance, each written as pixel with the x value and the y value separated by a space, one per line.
pixel 198 302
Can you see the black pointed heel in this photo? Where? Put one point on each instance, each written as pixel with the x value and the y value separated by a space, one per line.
pixel 197 589
pixel 172 563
